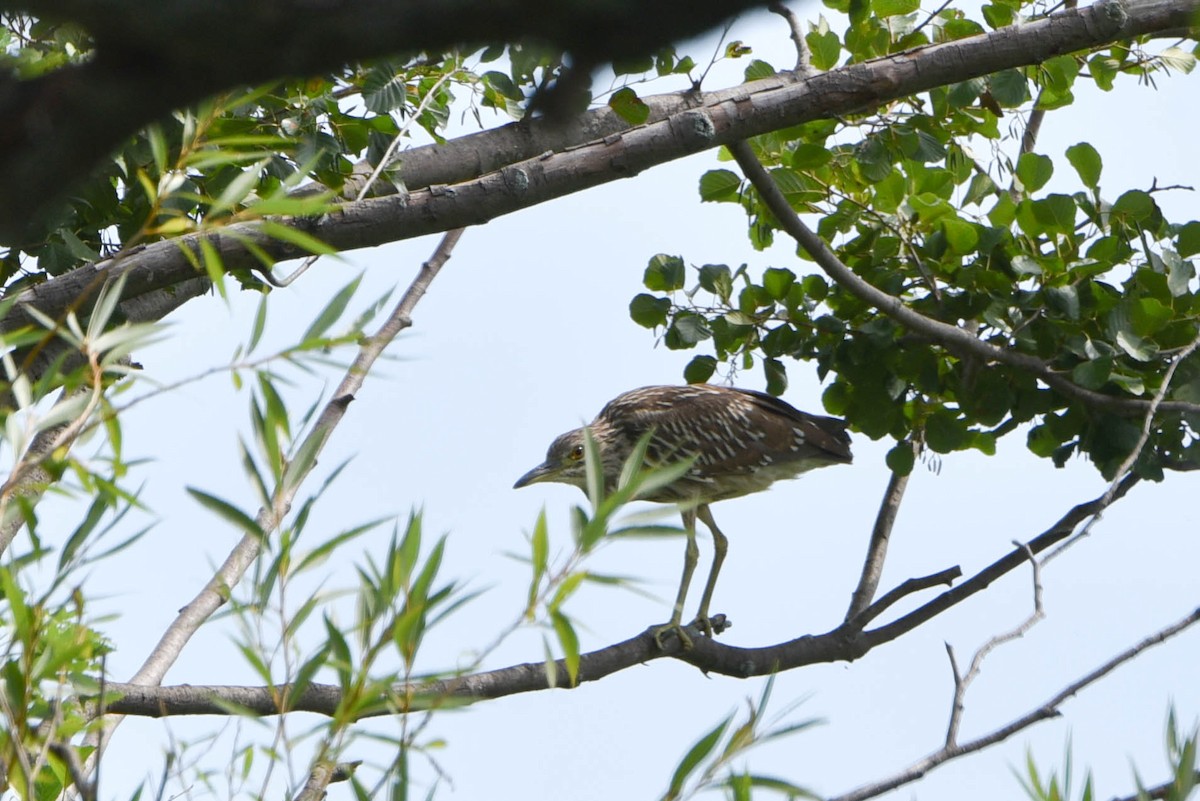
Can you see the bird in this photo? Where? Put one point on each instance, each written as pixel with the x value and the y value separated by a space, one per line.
pixel 738 441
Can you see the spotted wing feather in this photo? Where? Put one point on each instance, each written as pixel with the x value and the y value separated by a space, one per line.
pixel 742 441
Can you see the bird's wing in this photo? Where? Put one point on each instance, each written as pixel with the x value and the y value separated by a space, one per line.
pixel 727 431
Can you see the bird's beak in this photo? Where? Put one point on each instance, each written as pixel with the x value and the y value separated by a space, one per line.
pixel 540 473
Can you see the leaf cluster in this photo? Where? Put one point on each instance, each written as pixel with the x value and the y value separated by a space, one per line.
pixel 1099 286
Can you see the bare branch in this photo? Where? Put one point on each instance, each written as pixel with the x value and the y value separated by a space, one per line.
pixel 872 568
pixel 323 774
pixel 905 589
pixel 1048 709
pixel 803 60
pixel 1055 534
pixel 954 339
pixel 963 681
pixel 1157 792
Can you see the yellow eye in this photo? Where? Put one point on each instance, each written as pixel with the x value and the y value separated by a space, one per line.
pixel 576 453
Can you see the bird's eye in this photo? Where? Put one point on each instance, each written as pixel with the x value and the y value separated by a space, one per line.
pixel 576 453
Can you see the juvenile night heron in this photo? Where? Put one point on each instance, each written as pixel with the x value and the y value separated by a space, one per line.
pixel 741 442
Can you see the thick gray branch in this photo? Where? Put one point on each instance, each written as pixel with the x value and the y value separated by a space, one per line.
pixel 153 56
pixel 722 118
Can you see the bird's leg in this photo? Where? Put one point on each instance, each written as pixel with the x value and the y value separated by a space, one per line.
pixel 690 556
pixel 720 546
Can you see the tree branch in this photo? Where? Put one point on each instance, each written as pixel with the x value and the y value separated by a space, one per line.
pixel 803 59
pixel 153 56
pixel 1046 710
pixel 963 680
pixel 1056 533
pixel 847 642
pixel 872 568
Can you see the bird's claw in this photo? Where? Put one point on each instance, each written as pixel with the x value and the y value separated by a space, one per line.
pixel 711 626
pixel 674 627
pixel 707 626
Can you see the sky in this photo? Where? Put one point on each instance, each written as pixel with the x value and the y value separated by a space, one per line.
pixel 524 335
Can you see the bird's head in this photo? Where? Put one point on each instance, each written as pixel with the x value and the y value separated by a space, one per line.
pixel 565 463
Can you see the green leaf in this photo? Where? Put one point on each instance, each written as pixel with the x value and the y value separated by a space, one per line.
pixel 568 640
pixel 664 273
pixel 998 15
pixel 1093 374
pixel 1034 170
pixel 778 282
pixel 1056 213
pixel 1178 59
pixel 720 186
pixel 1188 240
pixel 1148 316
pixel 699 369
pixel 332 312
pixel 964 94
pixel 717 279
pixel 1179 273
pixel 228 511
pixel 1134 205
pixel 892 8
pixel 961 236
pixel 900 458
pixel 1025 265
pixel 629 106
pixel 1087 163
pixel 808 156
pixel 824 48
pixel 649 311
pixel 686 330
pixel 1010 88
pixel 304 241
pixel 1135 346
pixel 776 376
pixel 384 89
pixel 692 759
pixel 945 432
pixel 758 69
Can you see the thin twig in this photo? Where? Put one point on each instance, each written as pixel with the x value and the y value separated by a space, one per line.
pixel 1158 791
pixel 803 59
pixel 963 681
pixel 872 567
pixel 1044 541
pixel 1048 709
pixel 319 779
pixel 905 589
pixel 953 338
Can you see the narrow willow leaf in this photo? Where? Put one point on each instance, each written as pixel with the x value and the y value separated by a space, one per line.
pixel 568 640
pixel 332 312
pixel 692 759
pixel 227 511
pixel 304 241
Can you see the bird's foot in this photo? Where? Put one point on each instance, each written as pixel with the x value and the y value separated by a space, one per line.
pixel 711 626
pixel 663 632
pixel 707 626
